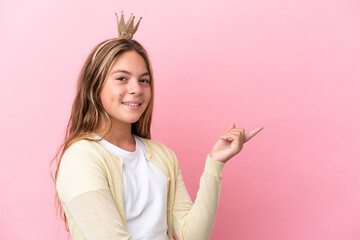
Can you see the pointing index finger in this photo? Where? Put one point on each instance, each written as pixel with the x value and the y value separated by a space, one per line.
pixel 252 133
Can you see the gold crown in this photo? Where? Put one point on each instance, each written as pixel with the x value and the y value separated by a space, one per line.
pixel 126 30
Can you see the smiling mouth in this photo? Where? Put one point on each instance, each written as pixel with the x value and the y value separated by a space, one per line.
pixel 132 104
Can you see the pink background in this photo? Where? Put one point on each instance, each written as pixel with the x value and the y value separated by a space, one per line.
pixel 290 66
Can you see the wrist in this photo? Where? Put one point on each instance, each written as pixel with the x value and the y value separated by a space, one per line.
pixel 218 158
pixel 213 166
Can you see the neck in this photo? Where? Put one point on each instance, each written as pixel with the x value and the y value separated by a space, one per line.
pixel 120 135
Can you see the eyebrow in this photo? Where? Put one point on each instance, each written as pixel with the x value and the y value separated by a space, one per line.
pixel 124 71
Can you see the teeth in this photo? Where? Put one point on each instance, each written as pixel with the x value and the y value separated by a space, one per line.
pixel 131 104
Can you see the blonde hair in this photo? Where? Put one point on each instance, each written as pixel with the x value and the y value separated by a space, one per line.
pixel 87 110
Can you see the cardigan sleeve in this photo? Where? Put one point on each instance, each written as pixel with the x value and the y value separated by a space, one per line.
pixel 85 195
pixel 196 220
pixel 96 215
pixel 80 171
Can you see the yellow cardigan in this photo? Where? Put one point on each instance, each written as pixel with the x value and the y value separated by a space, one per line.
pixel 90 188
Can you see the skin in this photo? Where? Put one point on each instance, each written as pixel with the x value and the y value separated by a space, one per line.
pixel 128 81
pixel 231 142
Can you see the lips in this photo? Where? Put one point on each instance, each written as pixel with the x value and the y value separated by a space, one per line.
pixel 131 104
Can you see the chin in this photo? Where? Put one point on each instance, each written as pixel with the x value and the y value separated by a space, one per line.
pixel 133 120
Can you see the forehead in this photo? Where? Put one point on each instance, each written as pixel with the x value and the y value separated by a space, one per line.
pixel 130 61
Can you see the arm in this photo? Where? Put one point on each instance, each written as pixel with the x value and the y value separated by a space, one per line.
pixel 195 221
pixel 96 215
pixel 84 192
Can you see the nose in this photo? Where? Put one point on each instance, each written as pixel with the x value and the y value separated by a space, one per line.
pixel 134 87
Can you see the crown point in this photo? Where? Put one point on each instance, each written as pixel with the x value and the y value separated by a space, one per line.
pixel 127 30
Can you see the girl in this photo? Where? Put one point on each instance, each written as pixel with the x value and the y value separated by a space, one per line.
pixel 112 181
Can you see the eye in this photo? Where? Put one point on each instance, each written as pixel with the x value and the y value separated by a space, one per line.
pixel 145 81
pixel 121 78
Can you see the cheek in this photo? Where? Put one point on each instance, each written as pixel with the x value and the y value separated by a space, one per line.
pixel 106 100
pixel 148 94
pixel 116 90
pixel 109 95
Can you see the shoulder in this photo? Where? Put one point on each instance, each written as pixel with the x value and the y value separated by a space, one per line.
pixel 158 149
pixel 81 169
pixel 82 147
pixel 81 153
pixel 153 145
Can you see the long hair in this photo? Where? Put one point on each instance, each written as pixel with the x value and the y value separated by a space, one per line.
pixel 87 109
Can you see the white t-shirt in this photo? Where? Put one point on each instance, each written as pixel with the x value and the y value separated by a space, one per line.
pixel 145 193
